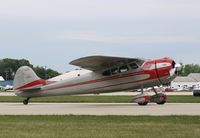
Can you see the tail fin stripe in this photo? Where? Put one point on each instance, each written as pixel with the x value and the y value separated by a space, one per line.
pixel 32 84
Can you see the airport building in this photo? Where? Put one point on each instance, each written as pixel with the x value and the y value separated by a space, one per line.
pixel 5 85
pixel 186 83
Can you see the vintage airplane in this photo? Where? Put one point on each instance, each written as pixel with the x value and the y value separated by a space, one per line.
pixel 100 74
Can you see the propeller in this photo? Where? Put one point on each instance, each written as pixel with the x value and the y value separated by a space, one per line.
pixel 177 68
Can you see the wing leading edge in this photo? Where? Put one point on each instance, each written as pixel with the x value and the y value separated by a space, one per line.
pixel 99 63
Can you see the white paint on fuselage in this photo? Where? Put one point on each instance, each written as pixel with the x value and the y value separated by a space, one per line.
pixel 70 75
pixel 158 66
pixel 162 65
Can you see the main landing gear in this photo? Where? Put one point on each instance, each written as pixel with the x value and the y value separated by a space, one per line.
pixel 25 102
pixel 143 98
pixel 159 98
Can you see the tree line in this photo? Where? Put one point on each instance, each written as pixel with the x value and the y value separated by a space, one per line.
pixel 8 68
pixel 189 68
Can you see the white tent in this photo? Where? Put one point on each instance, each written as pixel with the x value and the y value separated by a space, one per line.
pixel 1 78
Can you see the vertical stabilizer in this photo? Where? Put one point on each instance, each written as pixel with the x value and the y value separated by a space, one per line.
pixel 26 79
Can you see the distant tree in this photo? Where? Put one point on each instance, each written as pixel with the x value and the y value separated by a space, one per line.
pixel 44 73
pixel 8 68
pixel 51 73
pixel 24 62
pixel 190 68
pixel 40 71
pixel 2 68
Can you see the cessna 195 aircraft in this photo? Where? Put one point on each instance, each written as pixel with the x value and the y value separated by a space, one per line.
pixel 100 74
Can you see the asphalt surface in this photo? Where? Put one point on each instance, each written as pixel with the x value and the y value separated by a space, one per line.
pixel 99 109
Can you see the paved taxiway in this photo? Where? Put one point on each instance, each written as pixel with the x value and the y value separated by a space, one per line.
pixel 98 109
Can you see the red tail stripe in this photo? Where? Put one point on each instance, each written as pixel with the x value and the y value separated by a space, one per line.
pixel 31 84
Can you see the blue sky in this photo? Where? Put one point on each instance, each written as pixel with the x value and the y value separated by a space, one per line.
pixel 52 33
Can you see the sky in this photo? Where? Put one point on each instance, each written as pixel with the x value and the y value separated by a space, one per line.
pixel 54 32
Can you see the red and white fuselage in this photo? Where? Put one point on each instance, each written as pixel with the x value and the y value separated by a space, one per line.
pixel 150 73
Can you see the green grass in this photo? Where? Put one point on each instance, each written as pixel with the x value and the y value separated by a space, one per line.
pixel 99 127
pixel 183 99
pixel 97 99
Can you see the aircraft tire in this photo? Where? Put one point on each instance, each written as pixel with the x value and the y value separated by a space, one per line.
pixel 143 104
pixel 161 103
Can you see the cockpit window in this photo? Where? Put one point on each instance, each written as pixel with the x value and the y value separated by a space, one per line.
pixel 114 71
pixel 107 73
pixel 134 66
pixel 123 69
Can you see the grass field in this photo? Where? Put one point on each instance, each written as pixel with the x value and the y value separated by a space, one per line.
pixel 97 99
pixel 99 127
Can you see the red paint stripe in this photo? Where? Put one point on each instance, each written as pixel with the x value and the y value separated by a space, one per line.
pixel 32 84
pixel 114 85
pixel 151 73
pixel 104 79
pixel 98 80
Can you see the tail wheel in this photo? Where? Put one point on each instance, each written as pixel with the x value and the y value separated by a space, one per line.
pixel 25 102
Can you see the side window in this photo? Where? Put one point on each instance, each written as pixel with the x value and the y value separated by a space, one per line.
pixel 134 66
pixel 107 73
pixel 123 69
pixel 114 71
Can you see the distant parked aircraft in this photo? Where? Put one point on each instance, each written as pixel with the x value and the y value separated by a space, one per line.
pixel 1 78
pixel 100 74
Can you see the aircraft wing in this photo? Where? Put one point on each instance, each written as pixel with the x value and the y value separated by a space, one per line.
pixel 98 63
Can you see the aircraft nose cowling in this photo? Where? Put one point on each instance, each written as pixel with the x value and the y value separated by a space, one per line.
pixel 166 70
